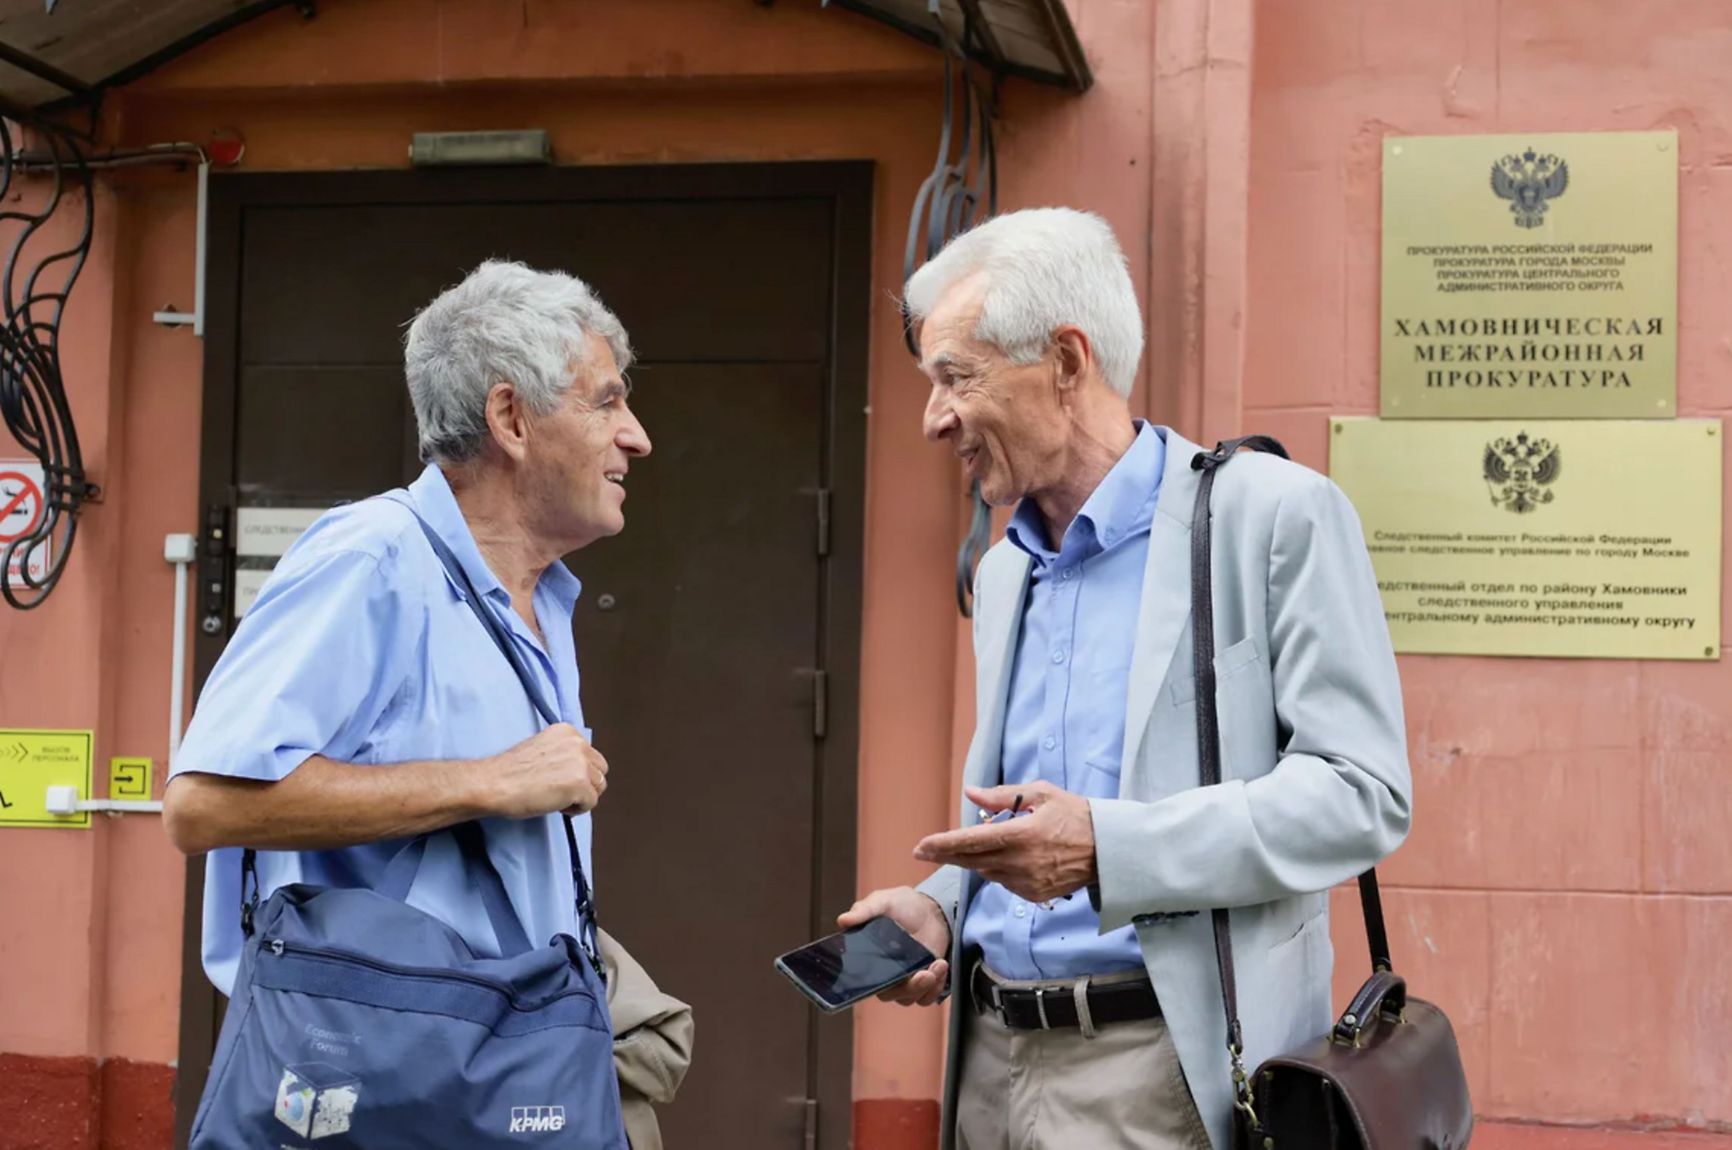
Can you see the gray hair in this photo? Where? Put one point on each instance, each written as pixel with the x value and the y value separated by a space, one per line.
pixel 1045 268
pixel 506 322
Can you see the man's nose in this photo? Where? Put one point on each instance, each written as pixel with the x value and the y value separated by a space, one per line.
pixel 940 419
pixel 632 438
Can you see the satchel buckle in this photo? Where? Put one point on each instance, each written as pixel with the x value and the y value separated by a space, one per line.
pixel 1244 1099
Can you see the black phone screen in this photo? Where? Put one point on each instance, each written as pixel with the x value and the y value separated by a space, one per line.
pixel 840 969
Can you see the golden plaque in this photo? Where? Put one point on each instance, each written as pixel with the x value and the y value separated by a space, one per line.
pixel 1563 538
pixel 1530 276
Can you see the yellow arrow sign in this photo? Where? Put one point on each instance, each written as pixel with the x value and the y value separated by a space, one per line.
pixel 30 763
pixel 129 778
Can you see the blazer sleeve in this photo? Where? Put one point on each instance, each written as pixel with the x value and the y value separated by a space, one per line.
pixel 944 887
pixel 1339 798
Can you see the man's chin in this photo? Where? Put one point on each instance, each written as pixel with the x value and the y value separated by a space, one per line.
pixel 602 527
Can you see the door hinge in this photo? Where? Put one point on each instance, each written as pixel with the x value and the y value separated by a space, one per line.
pixel 820 703
pixel 811 1124
pixel 823 522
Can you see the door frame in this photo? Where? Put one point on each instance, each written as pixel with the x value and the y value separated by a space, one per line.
pixel 847 186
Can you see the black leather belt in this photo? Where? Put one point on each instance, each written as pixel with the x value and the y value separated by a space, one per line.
pixel 1055 1008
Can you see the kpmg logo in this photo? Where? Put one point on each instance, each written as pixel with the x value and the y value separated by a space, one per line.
pixel 536 1119
pixel 1529 182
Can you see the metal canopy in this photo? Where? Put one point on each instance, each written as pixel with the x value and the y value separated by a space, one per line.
pixel 1029 38
pixel 54 52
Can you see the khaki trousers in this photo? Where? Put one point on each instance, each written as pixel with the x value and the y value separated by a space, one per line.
pixel 1059 1090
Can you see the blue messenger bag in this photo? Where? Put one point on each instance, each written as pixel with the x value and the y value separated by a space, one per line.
pixel 359 1021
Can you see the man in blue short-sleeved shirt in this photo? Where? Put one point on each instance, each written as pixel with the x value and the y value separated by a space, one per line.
pixel 361 702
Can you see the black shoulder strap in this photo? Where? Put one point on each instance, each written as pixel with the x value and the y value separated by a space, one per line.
pixel 496 630
pixel 1209 739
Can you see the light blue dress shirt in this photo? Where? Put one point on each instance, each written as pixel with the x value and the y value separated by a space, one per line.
pixel 359 648
pixel 1066 717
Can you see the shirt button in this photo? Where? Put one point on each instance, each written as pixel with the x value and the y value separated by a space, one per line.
pixel 1067 573
pixel 1049 743
pixel 1058 656
pixel 1109 535
pixel 1021 911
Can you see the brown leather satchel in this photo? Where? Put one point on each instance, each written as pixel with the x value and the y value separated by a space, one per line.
pixel 1389 1076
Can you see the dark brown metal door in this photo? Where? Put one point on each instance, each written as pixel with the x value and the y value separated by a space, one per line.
pixel 717 637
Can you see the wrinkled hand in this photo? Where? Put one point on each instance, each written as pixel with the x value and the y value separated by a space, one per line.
pixel 1039 856
pixel 555 770
pixel 920 917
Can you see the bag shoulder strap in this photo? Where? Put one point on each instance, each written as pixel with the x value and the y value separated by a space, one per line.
pixel 496 630
pixel 1209 741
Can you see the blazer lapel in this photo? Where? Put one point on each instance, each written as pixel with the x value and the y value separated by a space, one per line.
pixel 1166 604
pixel 998 609
pixel 1000 613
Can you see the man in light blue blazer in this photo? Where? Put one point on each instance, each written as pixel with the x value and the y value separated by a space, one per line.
pixel 1086 997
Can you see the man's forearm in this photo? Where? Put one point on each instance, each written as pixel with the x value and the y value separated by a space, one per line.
pixel 323 805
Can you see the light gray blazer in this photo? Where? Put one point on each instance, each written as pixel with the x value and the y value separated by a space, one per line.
pixel 1315 784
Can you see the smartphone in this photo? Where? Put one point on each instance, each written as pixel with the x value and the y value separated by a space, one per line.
pixel 841 969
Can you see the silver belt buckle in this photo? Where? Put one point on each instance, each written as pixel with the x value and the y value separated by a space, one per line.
pixel 1040 1007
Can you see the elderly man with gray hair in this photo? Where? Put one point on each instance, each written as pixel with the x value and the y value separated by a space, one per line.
pixel 1088 1008
pixel 361 702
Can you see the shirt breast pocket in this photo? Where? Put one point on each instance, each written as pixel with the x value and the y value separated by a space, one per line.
pixel 1100 779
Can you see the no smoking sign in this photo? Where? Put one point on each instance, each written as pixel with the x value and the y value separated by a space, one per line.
pixel 22 506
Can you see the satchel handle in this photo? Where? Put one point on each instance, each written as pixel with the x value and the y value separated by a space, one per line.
pixel 1383 994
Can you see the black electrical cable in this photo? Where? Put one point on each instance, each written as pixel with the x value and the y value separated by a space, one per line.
pixel 949 203
pixel 33 403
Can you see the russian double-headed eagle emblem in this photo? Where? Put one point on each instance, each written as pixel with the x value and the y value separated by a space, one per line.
pixel 1529 182
pixel 1519 472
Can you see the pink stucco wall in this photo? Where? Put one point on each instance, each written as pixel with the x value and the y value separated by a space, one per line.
pixel 1565 893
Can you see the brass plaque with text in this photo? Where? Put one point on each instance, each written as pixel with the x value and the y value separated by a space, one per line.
pixel 1531 276
pixel 1562 538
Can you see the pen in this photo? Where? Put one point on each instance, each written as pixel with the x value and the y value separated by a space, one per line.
pixel 1015 808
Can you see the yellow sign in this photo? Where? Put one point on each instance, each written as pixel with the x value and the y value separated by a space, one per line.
pixel 33 761
pixel 129 778
pixel 1562 538
pixel 1530 276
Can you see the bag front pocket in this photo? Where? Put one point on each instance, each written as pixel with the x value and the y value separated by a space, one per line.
pixel 346 1051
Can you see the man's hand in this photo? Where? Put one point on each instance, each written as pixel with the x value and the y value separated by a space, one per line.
pixel 920 917
pixel 1046 854
pixel 556 770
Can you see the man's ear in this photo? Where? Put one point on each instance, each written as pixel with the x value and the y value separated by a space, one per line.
pixel 507 420
pixel 1075 358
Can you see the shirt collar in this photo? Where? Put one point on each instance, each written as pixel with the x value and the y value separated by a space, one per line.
pixel 1121 506
pixel 433 498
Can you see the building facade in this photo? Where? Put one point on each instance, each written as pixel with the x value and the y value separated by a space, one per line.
pixel 1566 894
